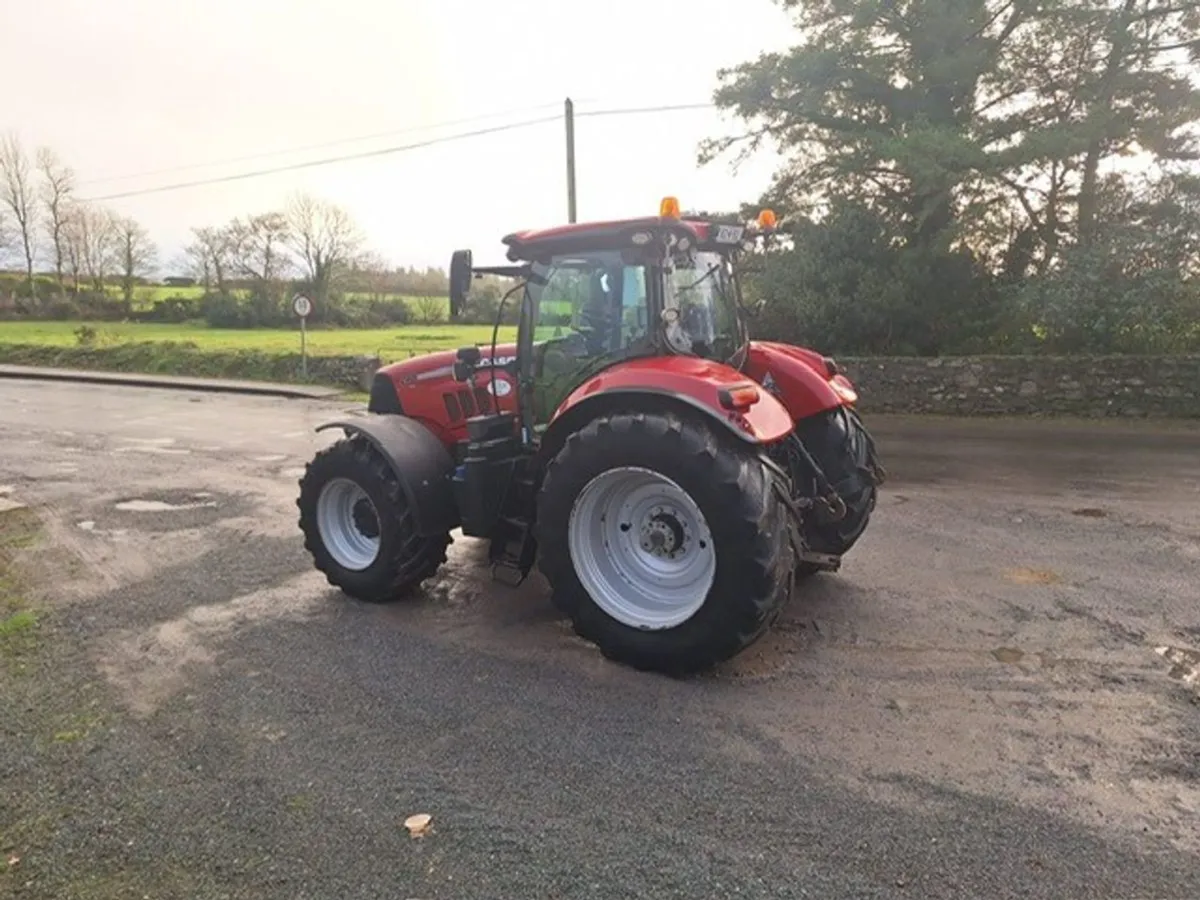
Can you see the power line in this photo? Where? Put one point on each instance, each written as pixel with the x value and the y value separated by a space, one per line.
pixel 322 146
pixel 401 148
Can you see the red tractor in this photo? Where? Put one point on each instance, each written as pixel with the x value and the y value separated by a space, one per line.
pixel 671 478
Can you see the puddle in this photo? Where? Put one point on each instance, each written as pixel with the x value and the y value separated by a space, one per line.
pixel 7 505
pixel 160 505
pixel 1009 655
pixel 1033 576
pixel 153 448
pixel 297 472
pixel 1090 512
pixel 1185 664
pixel 270 458
pixel 87 525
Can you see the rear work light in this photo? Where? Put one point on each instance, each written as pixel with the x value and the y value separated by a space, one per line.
pixel 740 397
pixel 842 388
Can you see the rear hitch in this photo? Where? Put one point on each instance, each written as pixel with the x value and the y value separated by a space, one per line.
pixel 826 562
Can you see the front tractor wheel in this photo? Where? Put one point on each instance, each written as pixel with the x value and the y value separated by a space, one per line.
pixel 358 528
pixel 663 541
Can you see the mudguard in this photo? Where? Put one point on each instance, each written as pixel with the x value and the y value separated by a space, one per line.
pixel 799 377
pixel 684 380
pixel 422 466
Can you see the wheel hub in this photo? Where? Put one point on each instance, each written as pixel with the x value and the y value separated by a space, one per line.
pixel 641 548
pixel 663 534
pixel 348 524
pixel 365 519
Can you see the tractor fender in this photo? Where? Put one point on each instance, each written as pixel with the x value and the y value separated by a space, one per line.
pixel 682 381
pixel 422 464
pixel 799 377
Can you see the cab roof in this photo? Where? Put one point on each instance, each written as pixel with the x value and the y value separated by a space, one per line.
pixel 610 235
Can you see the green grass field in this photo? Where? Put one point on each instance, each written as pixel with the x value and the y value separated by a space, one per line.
pixel 390 344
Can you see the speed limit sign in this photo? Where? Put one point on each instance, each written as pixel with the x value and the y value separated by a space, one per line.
pixel 302 306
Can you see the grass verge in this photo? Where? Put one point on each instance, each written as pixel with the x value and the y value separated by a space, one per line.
pixel 336 358
pixel 19 530
pixel 389 344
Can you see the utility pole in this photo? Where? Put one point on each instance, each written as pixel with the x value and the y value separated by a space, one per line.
pixel 570 116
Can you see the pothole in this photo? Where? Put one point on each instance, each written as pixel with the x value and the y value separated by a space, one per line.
pixel 1089 512
pixel 169 510
pixel 1008 655
pixel 1185 664
pixel 1033 576
pixel 162 505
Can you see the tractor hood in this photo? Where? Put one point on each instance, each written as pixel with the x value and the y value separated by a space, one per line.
pixel 440 364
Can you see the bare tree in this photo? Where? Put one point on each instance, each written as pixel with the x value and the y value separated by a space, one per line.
pixel 17 192
pixel 325 240
pixel 371 273
pixel 7 236
pixel 58 184
pixel 91 243
pixel 72 245
pixel 209 256
pixel 257 247
pixel 136 255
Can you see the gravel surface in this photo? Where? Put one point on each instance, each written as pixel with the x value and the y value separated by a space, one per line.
pixel 996 697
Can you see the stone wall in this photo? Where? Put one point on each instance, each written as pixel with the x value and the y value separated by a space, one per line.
pixel 982 385
pixel 1030 385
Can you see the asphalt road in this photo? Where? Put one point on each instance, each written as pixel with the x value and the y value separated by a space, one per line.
pixel 996 696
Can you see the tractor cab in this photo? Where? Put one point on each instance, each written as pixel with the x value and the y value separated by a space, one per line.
pixel 597 294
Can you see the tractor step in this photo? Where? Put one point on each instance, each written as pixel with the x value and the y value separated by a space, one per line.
pixel 513 577
pixel 512 552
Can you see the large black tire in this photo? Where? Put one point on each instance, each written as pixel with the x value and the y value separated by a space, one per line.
pixel 404 560
pixel 841 446
pixel 839 442
pixel 745 517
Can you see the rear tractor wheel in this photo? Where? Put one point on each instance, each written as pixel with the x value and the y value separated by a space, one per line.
pixel 663 541
pixel 358 527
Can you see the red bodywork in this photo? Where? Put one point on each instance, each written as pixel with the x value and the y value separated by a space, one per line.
pixel 804 382
pixel 697 381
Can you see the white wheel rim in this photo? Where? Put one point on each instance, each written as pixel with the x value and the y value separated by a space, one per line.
pixel 344 517
pixel 641 548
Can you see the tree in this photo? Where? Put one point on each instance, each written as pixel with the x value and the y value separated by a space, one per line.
pixel 136 256
pixel 325 241
pixel 17 192
pixel 92 244
pixel 8 239
pixel 208 256
pixel 990 128
pixel 58 184
pixel 257 246
pixel 370 273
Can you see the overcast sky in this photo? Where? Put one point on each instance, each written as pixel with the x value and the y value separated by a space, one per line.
pixel 133 87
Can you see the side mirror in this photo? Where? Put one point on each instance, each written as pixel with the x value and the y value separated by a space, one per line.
pixel 461 273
